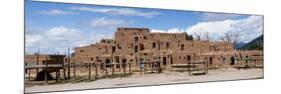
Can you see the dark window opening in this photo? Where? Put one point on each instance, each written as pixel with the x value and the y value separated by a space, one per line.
pixel 182 47
pixel 164 61
pixel 107 62
pixel 188 58
pixel 167 45
pixel 153 45
pixel 211 60
pixel 124 61
pixel 232 61
pixel 113 49
pixel 141 47
pixel 136 48
pixel 136 39
pixel 118 66
pixel 81 51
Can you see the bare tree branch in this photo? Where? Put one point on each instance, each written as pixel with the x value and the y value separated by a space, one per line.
pixel 206 36
pixel 198 35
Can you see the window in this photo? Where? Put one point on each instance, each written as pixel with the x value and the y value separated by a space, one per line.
pixel 182 47
pixel 113 49
pixel 167 45
pixel 136 48
pixel 136 39
pixel 81 51
pixel 153 45
pixel 141 47
pixel 188 58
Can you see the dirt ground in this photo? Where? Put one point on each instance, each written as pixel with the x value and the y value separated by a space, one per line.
pixel 153 79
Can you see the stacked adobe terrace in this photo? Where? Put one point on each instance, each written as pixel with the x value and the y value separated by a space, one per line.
pixel 134 45
pixel 139 50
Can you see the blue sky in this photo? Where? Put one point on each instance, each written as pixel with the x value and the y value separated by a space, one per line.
pixel 53 27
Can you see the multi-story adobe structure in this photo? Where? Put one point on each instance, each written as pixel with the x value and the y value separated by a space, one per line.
pixel 136 45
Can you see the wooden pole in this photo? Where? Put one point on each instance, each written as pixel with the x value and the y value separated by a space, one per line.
pixel 124 67
pixel 68 60
pixel 112 67
pixel 130 70
pixel 144 67
pixel 46 70
pixel 59 75
pixel 105 65
pixel 56 76
pixel 96 72
pixel 74 71
pixel 89 65
pixel 140 66
pixel 37 61
pixel 63 67
pixel 206 66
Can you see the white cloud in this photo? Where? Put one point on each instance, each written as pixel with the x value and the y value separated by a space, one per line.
pixel 55 12
pixel 55 39
pixel 173 30
pixel 58 39
pixel 218 16
pixel 100 22
pixel 248 28
pixel 119 11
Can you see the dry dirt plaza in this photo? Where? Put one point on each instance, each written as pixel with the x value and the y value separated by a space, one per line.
pixel 154 79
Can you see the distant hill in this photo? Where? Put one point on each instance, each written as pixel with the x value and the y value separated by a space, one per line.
pixel 256 44
pixel 239 45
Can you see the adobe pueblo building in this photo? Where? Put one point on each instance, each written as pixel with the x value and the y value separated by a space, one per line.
pixel 139 50
pixel 136 46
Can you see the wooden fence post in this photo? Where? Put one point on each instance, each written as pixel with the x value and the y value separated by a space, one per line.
pixel 68 61
pixel 56 76
pixel 105 65
pixel 59 75
pixel 144 67
pixel 96 68
pixel 130 70
pixel 124 67
pixel 112 67
pixel 89 65
pixel 74 71
pixel 207 66
pixel 45 76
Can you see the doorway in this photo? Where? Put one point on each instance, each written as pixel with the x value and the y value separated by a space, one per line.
pixel 164 61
